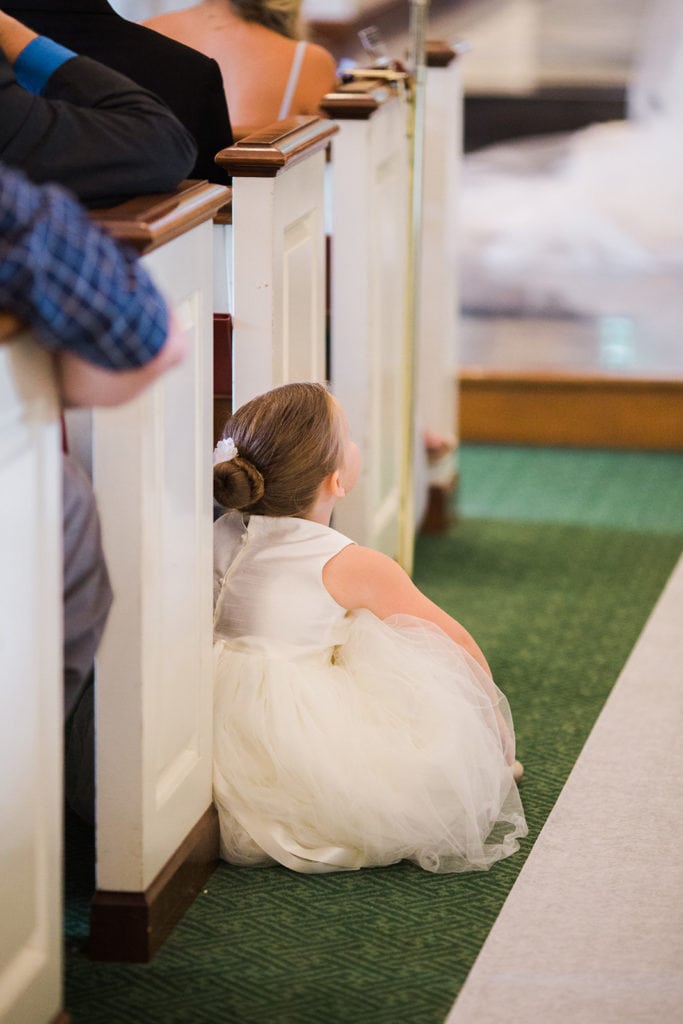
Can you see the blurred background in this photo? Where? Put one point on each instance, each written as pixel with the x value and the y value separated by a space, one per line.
pixel 571 236
pixel 570 230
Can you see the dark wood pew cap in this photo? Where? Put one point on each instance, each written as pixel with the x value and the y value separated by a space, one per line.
pixel 264 154
pixel 147 222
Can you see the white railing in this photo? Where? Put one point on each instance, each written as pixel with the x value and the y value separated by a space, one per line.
pixel 31 684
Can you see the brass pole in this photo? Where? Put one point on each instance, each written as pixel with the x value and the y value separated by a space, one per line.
pixel 418 22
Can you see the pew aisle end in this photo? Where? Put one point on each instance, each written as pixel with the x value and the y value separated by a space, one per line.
pixel 156 832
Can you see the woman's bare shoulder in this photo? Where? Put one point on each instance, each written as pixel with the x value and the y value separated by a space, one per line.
pixel 175 24
pixel 319 70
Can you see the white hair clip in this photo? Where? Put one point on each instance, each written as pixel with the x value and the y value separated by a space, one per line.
pixel 224 451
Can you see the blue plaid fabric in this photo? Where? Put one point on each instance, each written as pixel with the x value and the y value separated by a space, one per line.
pixel 75 286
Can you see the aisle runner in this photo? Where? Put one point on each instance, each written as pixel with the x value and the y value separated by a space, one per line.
pixel 592 931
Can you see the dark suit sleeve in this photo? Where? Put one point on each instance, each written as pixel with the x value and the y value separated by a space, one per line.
pixel 95 132
pixel 216 130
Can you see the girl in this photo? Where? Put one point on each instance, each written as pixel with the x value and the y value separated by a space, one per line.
pixel 356 723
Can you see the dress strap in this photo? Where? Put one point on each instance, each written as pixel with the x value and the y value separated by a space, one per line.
pixel 292 80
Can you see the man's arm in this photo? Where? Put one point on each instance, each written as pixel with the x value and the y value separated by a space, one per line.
pixel 14 37
pixel 9 325
pixel 84 385
pixel 92 129
pixel 82 294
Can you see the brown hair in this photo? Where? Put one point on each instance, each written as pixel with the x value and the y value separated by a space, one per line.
pixel 281 16
pixel 288 440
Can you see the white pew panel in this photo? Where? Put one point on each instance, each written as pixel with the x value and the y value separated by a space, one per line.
pixel 278 255
pixel 151 464
pixel 31 727
pixel 439 308
pixel 151 471
pixel 369 278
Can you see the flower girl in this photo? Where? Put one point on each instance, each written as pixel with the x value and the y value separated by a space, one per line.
pixel 356 723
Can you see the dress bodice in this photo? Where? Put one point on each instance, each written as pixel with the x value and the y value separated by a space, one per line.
pixel 268 587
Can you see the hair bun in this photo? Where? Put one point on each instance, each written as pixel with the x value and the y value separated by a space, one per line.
pixel 237 483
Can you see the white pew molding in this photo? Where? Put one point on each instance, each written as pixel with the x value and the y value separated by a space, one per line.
pixel 31 674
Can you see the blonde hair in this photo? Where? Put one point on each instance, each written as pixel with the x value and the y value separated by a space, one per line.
pixel 288 440
pixel 281 16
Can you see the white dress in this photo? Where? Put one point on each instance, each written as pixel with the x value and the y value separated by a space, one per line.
pixel 343 741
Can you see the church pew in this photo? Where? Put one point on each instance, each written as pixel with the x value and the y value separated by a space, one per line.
pixel 438 305
pixel 31 673
pixel 436 297
pixel 273 255
pixel 156 831
pixel 270 265
pixel 369 207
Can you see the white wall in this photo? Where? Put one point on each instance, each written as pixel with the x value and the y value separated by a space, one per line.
pixel 139 10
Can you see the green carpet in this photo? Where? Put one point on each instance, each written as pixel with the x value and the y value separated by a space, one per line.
pixel 555 564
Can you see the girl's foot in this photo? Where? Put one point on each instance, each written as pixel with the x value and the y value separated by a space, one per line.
pixel 517 770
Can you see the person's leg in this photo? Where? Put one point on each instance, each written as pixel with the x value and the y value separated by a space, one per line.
pixel 79 756
pixel 87 600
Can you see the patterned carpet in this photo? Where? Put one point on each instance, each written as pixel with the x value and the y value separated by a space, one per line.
pixel 554 566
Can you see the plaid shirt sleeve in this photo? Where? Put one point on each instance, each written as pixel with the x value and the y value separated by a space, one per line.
pixel 77 288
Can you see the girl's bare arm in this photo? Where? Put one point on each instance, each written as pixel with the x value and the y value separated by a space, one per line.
pixel 359 577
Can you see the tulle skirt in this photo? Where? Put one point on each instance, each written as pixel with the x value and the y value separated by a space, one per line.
pixel 394 746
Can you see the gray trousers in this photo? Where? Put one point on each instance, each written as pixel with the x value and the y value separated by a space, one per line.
pixel 87 600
